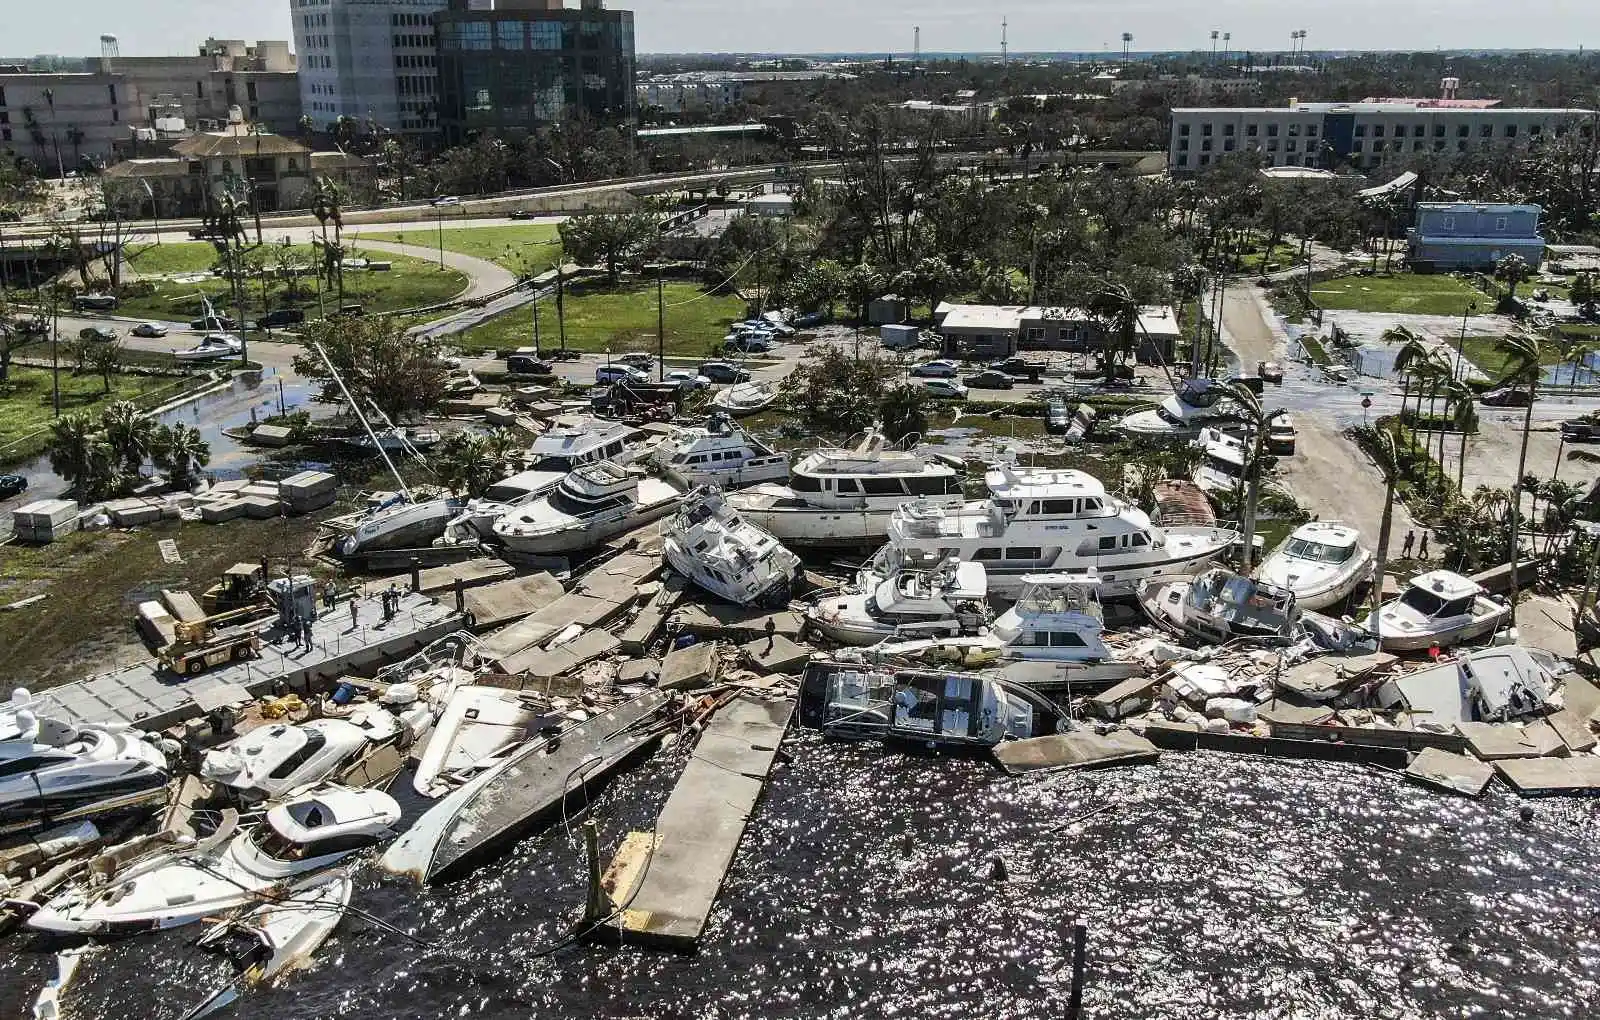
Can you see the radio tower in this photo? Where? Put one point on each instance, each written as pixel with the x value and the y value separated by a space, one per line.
pixel 1005 53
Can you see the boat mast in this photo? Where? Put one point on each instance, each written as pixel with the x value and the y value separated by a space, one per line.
pixel 404 490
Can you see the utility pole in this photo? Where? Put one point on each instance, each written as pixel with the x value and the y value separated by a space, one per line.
pixel 55 341
pixel 1005 45
pixel 661 327
pixel 537 351
pixel 561 305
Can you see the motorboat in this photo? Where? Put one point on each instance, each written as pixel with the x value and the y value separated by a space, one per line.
pixel 923 708
pixel 570 443
pixel 743 399
pixel 845 497
pixel 908 605
pixel 715 547
pixel 526 785
pixel 398 440
pixel 1323 563
pixel 271 761
pixel 297 838
pixel 1220 606
pixel 276 937
pixel 400 524
pixel 478 723
pixel 593 504
pixel 718 453
pixel 1198 403
pixel 53 771
pixel 1437 610
pixel 212 347
pixel 1040 520
pixel 1221 468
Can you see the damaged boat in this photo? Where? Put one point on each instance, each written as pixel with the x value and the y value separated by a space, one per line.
pixel 477 725
pixel 1220 606
pixel 594 504
pixel 567 445
pixel 1438 609
pixel 271 761
pixel 719 453
pixel 1323 563
pixel 906 605
pixel 715 547
pixel 400 524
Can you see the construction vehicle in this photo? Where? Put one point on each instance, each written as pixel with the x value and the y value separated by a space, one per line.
pixel 198 646
pixel 243 585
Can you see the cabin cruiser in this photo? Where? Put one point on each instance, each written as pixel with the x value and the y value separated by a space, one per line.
pixel 400 524
pixel 718 453
pixel 1220 606
pixel 569 444
pixel 478 723
pixel 52 770
pixel 233 869
pixel 1222 461
pixel 271 761
pixel 717 549
pixel 947 601
pixel 595 503
pixel 845 497
pixel 1051 521
pixel 1181 417
pixel 1437 609
pixel 743 399
pixel 213 347
pixel 1323 563
pixel 926 708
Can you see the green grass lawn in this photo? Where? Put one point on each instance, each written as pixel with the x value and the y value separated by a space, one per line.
pixel 623 319
pixel 26 406
pixel 1480 351
pixel 1401 293
pixel 412 283
pixel 519 248
pixel 1281 257
pixel 167 259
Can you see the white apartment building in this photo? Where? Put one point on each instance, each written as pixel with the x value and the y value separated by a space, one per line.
pixel 369 60
pixel 1363 135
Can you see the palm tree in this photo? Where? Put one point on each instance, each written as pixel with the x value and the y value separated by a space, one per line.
pixel 1523 368
pixel 1388 461
pixel 179 451
pixel 1464 420
pixel 71 438
pixel 465 464
pixel 1575 351
pixel 129 434
pixel 1412 349
pixel 1257 421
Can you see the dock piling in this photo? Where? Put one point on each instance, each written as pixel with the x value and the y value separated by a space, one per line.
pixel 1080 937
pixel 594 912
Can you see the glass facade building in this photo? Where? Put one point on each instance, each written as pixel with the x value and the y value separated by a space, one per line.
pixel 506 72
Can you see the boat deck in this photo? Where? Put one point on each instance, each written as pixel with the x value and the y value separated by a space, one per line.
pixel 152 697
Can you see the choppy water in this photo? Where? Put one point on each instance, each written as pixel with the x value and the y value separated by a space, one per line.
pixel 1219 887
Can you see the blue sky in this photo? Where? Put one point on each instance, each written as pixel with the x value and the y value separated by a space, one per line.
pixel 151 27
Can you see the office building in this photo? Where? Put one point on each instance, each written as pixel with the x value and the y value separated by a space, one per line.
pixel 1363 135
pixel 58 118
pixel 507 68
pixel 374 61
pixel 693 91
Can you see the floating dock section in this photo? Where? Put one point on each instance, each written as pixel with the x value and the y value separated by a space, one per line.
pixel 699 830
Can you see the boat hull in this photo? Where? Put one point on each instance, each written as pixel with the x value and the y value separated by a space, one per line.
pixel 585 536
pixel 816 528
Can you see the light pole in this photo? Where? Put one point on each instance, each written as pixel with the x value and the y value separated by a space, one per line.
pixel 1461 341
pixel 440 214
pixel 155 209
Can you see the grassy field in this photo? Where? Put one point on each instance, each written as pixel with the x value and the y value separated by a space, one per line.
pixel 1480 351
pixel 412 283
pixel 26 406
pixel 623 319
pixel 1401 293
pixel 519 248
pixel 178 257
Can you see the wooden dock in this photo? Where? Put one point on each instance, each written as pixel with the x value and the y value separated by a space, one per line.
pixel 699 830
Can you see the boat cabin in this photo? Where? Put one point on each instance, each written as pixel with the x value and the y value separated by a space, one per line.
pixel 332 823
pixel 1441 594
pixel 917 706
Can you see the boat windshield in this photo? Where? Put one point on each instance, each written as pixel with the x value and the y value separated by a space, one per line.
pixel 1318 552
pixel 271 844
pixel 565 502
pixel 562 463
pixel 1428 604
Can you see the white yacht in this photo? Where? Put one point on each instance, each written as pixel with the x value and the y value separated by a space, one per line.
pixel 718 453
pixel 295 839
pixel 213 347
pixel 1437 610
pixel 742 399
pixel 1323 563
pixel 1181 417
pixel 717 549
pixel 50 769
pixel 593 504
pixel 1051 521
pixel 1222 461
pixel 400 524
pixel 1220 606
pixel 907 605
pixel 569 444
pixel 271 761
pixel 845 497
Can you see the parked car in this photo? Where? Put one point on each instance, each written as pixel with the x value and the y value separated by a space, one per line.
pixel 747 345
pixel 149 330
pixel 349 312
pixel 778 326
pixel 935 370
pixel 12 485
pixel 1057 418
pixel 811 320
pixel 527 364
pixel 989 379
pixel 520 214
pixel 686 379
pixel 615 373
pixel 723 372
pixel 213 324
pixel 98 333
pixel 1014 366
pixel 94 303
pixel 1581 430
pixel 446 200
pixel 281 317
pixel 945 389
pixel 643 362
pixel 1507 396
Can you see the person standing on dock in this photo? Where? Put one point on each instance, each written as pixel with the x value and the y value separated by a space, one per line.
pixel 354 608
pixel 1422 553
pixel 1405 547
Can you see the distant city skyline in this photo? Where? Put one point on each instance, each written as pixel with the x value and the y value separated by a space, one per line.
pixel 161 27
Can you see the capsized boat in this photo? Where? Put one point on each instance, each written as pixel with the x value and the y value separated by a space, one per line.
pixel 279 935
pixel 743 399
pixel 296 838
pixel 927 708
pixel 1220 606
pixel 949 600
pixel 716 548
pixel 1437 610
pixel 525 786
pixel 399 524
pixel 53 771
pixel 719 453
pixel 274 760
pixel 477 724
pixel 593 504
pixel 213 347
pixel 1323 563
pixel 400 439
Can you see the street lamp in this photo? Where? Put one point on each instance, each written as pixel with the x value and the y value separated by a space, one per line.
pixel 1461 342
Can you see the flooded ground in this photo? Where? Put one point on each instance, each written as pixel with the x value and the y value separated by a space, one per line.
pixel 1217 887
